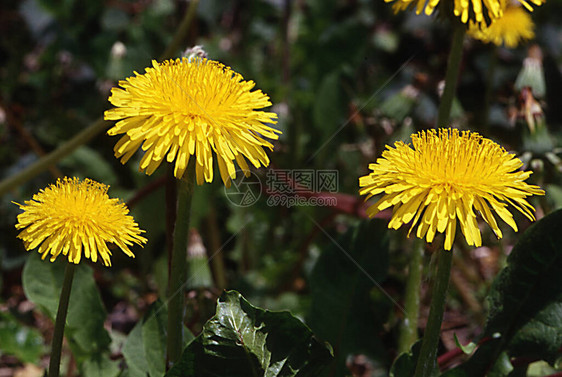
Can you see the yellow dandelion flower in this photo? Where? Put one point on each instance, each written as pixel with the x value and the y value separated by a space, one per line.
pixel 513 27
pixel 72 216
pixel 184 108
pixel 474 10
pixel 444 177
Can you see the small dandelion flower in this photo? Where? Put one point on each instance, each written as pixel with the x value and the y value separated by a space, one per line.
pixel 446 176
pixel 73 216
pixel 474 10
pixel 511 29
pixel 183 108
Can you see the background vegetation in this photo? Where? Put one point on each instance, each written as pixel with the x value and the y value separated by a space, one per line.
pixel 336 71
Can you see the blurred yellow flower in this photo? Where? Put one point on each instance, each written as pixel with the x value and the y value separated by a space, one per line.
pixel 446 176
pixel 513 27
pixel 474 10
pixel 72 216
pixel 183 108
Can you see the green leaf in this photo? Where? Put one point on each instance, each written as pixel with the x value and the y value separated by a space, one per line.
pixel 541 336
pixel 21 341
pixel 133 352
pixel 502 367
pixel 243 340
pixel 540 369
pixel 42 283
pixel 100 365
pixel 525 316
pixel 468 349
pixel 145 348
pixel 348 309
pixel 154 338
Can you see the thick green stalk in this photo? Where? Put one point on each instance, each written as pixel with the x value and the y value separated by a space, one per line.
pixel 451 76
pixel 409 328
pixel 428 353
pixel 217 263
pixel 178 264
pixel 58 335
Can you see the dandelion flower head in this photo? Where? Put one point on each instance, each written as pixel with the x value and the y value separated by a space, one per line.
pixel 474 10
pixel 512 28
pixel 445 176
pixel 73 217
pixel 198 107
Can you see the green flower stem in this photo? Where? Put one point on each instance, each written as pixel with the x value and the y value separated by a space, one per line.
pixel 178 264
pixel 98 125
pixel 428 353
pixel 217 263
pixel 451 76
pixel 409 328
pixel 56 348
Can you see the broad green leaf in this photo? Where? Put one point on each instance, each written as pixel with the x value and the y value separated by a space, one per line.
pixel 100 365
pixel 242 340
pixel 21 341
pixel 145 348
pixel 133 352
pixel 541 336
pixel 154 338
pixel 348 309
pixel 525 300
pixel 42 283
